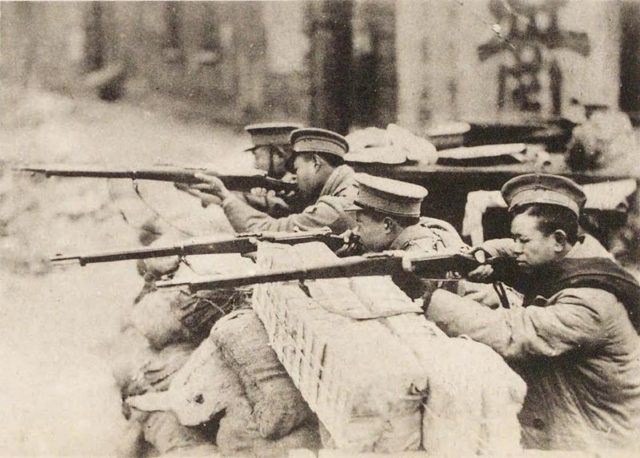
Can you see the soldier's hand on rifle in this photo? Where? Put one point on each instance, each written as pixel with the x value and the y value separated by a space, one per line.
pixel 484 272
pixel 211 185
pixel 482 294
pixel 157 267
pixel 351 245
pixel 205 199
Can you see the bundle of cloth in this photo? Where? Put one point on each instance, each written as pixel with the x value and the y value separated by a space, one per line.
pixel 393 145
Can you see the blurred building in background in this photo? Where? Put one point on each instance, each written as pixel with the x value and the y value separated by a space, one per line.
pixel 335 64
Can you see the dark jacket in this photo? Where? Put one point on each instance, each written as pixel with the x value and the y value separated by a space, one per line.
pixel 578 352
pixel 429 235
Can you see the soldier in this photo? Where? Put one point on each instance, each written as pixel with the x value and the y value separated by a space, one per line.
pixel 387 214
pixel 322 177
pixel 575 339
pixel 271 152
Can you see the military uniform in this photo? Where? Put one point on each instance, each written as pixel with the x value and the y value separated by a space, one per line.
pixel 430 235
pixel 328 211
pixel 399 199
pixel 575 341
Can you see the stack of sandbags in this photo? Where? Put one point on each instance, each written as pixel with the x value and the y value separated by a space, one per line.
pixel 389 383
pixel 161 333
pixel 278 407
pixel 235 380
pixel 271 417
pixel 148 372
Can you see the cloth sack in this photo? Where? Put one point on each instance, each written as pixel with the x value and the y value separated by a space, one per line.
pixel 278 406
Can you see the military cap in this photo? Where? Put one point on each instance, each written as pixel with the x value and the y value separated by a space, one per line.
pixel 388 196
pixel 270 133
pixel 313 140
pixel 543 189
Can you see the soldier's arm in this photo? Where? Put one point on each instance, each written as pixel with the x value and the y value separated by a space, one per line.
pixel 576 320
pixel 499 247
pixel 324 213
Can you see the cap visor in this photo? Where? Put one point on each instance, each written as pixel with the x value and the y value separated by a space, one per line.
pixel 353 208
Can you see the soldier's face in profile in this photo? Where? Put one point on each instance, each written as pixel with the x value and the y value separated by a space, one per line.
pixel 533 248
pixel 261 159
pixel 372 232
pixel 270 159
pixel 307 173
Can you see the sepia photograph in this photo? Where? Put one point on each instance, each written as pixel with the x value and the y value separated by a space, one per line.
pixel 320 228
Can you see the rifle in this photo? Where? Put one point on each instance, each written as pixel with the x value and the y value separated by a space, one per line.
pixel 436 266
pixel 241 243
pixel 234 182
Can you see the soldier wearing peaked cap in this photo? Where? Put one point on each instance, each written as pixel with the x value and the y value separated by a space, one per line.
pixel 387 214
pixel 575 339
pixel 322 177
pixel 271 152
pixel 271 148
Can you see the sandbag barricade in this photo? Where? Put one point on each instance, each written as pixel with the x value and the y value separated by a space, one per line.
pixel 389 383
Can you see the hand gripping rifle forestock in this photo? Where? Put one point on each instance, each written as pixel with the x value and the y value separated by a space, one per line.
pixel 436 266
pixel 234 182
pixel 241 244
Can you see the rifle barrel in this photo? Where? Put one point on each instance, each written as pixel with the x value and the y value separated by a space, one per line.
pixel 231 245
pixel 241 244
pixel 426 265
pixel 235 182
pixel 353 266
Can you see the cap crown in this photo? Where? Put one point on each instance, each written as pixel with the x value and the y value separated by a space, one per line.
pixel 389 196
pixel 313 140
pixel 543 189
pixel 270 133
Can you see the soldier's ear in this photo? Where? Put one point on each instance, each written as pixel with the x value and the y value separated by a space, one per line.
pixel 560 238
pixel 388 223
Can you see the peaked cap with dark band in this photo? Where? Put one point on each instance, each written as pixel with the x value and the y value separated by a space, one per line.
pixel 270 133
pixel 388 196
pixel 538 188
pixel 313 140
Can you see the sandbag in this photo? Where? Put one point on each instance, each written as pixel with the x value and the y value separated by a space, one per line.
pixel 170 316
pixel 391 384
pixel 156 371
pixel 204 386
pixel 127 353
pixel 471 389
pixel 238 434
pixel 154 316
pixel 278 406
pixel 165 433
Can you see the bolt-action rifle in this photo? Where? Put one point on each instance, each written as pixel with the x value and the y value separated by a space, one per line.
pixel 241 244
pixel 186 175
pixel 436 266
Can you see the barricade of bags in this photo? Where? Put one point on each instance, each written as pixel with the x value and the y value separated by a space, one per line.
pixel 231 393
